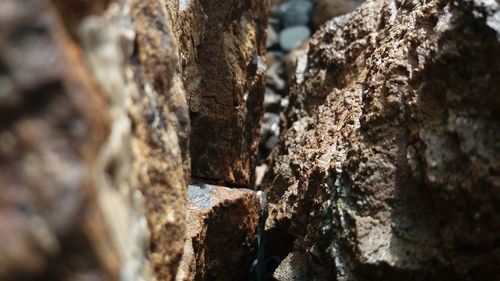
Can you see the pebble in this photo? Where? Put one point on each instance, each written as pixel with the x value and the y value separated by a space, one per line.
pixel 273 76
pixel 295 13
pixel 272 101
pixel 292 37
pixel 272 37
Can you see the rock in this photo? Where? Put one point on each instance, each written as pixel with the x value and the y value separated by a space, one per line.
pixel 274 77
pixel 272 37
pixel 270 123
pixel 387 168
pixel 326 10
pixel 161 134
pixel 260 171
pixel 292 37
pixel 102 135
pixel 70 205
pixel 222 224
pixel 225 84
pixel 291 61
pixel 272 101
pixel 295 13
pixel 293 268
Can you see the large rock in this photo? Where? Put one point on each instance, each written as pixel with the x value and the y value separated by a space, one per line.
pixel 222 45
pixel 61 160
pixel 389 166
pixel 222 224
pixel 94 126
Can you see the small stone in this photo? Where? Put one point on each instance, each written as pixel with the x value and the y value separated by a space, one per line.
pixel 291 60
pixel 270 124
pixel 221 227
pixel 292 37
pixel 296 12
pixel 272 37
pixel 273 76
pixel 293 267
pixel 271 142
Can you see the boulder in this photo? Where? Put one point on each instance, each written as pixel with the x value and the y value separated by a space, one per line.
pixel 388 167
pixel 222 46
pixel 222 227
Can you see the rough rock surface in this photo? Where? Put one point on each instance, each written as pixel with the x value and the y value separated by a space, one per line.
pixel 222 224
pixel 389 166
pixel 222 45
pixel 95 123
pixel 55 157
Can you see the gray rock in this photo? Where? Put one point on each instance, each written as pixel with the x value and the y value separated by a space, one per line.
pixel 292 37
pixel 270 124
pixel 274 79
pixel 293 268
pixel 271 142
pixel 294 13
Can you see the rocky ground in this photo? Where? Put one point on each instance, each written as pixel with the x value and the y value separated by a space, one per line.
pixel 249 140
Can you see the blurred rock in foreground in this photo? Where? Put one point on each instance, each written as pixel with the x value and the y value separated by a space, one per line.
pixel 222 224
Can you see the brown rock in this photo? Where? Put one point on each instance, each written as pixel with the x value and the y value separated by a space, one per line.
pixel 388 168
pixel 222 225
pixel 222 45
pixel 326 10
pixel 161 134
pixel 53 123
pixel 293 268
pixel 90 122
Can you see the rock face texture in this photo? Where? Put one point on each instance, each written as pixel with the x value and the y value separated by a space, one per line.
pixel 222 45
pixel 95 135
pixel 222 224
pixel 389 165
pixel 94 129
pixel 53 120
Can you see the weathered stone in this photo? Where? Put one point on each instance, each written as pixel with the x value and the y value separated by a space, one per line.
pixel 161 134
pixel 272 101
pixel 292 37
pixel 271 37
pixel 292 62
pixel 222 45
pixel 97 120
pixel 222 225
pixel 274 77
pixel 54 136
pixel 293 268
pixel 326 10
pixel 295 12
pixel 389 166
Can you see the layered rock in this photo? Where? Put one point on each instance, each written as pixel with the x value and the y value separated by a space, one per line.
pixel 388 168
pixel 222 44
pixel 222 224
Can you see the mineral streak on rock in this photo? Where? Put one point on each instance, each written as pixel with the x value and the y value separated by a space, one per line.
pixel 222 44
pixel 388 169
pixel 222 224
